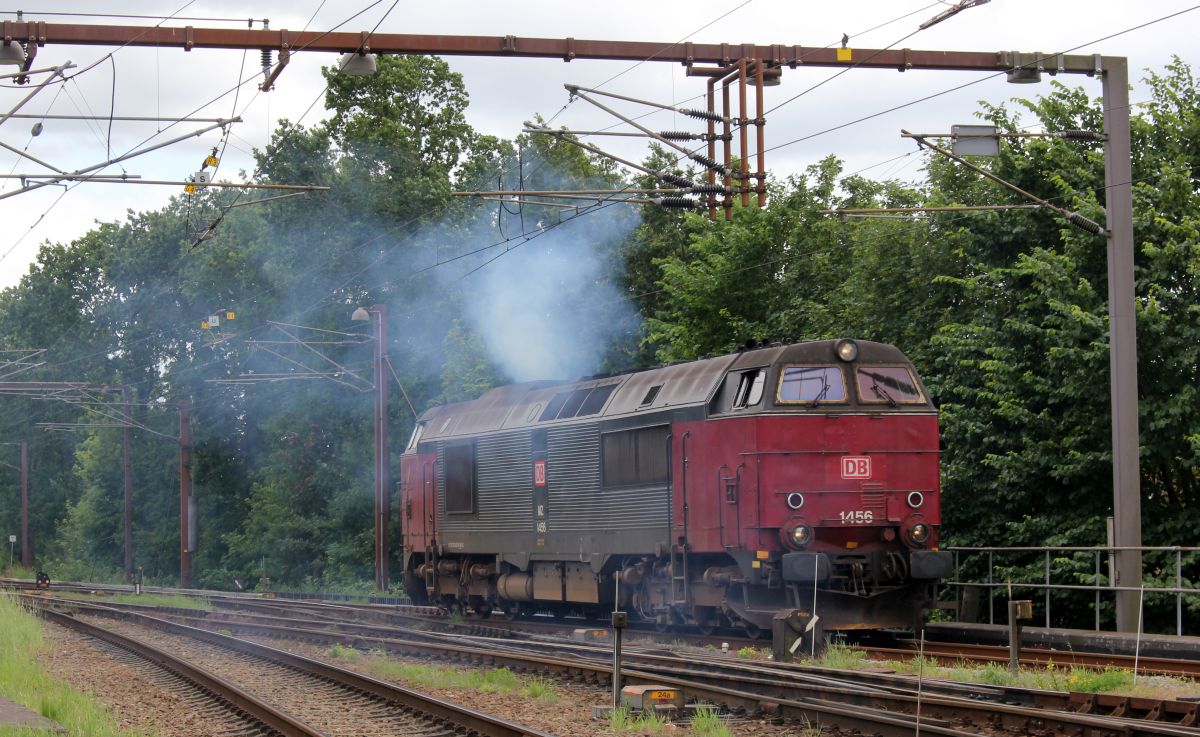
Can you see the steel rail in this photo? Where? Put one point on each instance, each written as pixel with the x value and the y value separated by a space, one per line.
pixel 953 652
pixel 257 710
pixel 1163 711
pixel 469 720
pixel 842 705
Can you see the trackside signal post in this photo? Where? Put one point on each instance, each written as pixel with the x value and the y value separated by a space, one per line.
pixel 726 61
pixel 383 500
pixel 185 495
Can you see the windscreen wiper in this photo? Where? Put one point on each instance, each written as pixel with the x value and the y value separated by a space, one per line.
pixel 882 393
pixel 820 395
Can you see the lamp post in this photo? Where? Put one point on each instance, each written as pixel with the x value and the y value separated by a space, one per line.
pixel 186 522
pixel 26 542
pixel 377 314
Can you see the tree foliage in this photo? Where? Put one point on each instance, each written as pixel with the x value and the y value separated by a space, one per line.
pixel 1004 312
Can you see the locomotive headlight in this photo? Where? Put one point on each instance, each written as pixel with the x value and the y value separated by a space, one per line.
pixel 795 500
pixel 919 533
pixel 800 536
pixel 847 350
pixel 915 499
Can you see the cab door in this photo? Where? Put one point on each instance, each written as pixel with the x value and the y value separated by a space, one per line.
pixel 737 477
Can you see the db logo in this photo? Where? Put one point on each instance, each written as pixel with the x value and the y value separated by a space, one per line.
pixel 856 467
pixel 539 473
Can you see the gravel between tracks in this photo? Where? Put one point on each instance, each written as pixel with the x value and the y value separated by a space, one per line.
pixel 570 716
pixel 334 710
pixel 137 700
pixel 140 704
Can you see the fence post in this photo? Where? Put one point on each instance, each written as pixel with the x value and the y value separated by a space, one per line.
pixel 1096 583
pixel 1047 589
pixel 958 591
pixel 991 608
pixel 1179 591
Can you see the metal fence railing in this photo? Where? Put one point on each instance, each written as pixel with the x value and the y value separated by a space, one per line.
pixel 1073 569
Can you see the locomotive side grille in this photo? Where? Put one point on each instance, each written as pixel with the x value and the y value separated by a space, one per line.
pixel 875 502
pixel 579 504
pixel 503 496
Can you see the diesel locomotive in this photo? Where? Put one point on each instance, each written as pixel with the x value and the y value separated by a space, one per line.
pixel 712 493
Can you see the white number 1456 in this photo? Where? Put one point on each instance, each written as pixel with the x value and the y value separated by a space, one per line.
pixel 857 517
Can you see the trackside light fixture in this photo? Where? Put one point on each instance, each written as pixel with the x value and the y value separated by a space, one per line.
pixel 355 64
pixel 1026 68
pixel 1024 76
pixel 360 315
pixel 12 54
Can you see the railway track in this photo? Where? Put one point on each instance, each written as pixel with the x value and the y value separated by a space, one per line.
pixel 873 703
pixel 951 653
pixel 287 694
pixel 947 653
pixel 226 707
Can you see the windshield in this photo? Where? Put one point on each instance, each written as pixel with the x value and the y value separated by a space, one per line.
pixel 811 384
pixel 888 384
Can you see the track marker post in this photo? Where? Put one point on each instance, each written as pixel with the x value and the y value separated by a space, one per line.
pixel 1137 647
pixel 1017 610
pixel 619 620
pixel 920 680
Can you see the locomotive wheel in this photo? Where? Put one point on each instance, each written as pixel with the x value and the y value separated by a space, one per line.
pixel 512 611
pixel 669 621
pixel 752 630
pixel 707 622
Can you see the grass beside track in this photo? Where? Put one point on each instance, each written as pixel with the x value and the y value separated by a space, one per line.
pixel 25 681
pixel 1051 677
pixel 496 680
pixel 172 600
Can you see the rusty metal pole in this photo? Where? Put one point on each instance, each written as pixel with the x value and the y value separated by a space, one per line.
pixel 743 134
pixel 127 469
pixel 185 494
pixel 711 97
pixel 382 460
pixel 26 542
pixel 1122 326
pixel 760 123
pixel 727 135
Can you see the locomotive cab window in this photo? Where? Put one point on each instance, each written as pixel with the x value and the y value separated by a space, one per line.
pixel 888 385
pixel 811 385
pixel 636 457
pixel 459 459
pixel 750 388
pixel 418 431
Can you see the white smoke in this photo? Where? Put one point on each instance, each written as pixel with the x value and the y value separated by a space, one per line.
pixel 548 308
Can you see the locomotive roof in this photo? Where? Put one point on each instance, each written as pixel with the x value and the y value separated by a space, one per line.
pixel 675 386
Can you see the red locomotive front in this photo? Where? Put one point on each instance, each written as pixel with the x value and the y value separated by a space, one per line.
pixel 716 492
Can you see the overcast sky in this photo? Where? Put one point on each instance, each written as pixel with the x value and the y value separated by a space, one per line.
pixel 506 92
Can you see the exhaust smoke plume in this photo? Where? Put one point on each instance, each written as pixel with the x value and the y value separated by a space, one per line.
pixel 547 308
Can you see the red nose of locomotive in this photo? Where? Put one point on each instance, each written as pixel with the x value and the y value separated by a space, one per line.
pixel 848 464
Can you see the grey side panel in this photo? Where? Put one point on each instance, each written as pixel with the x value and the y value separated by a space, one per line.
pixel 578 503
pixel 503 495
pixel 584 523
